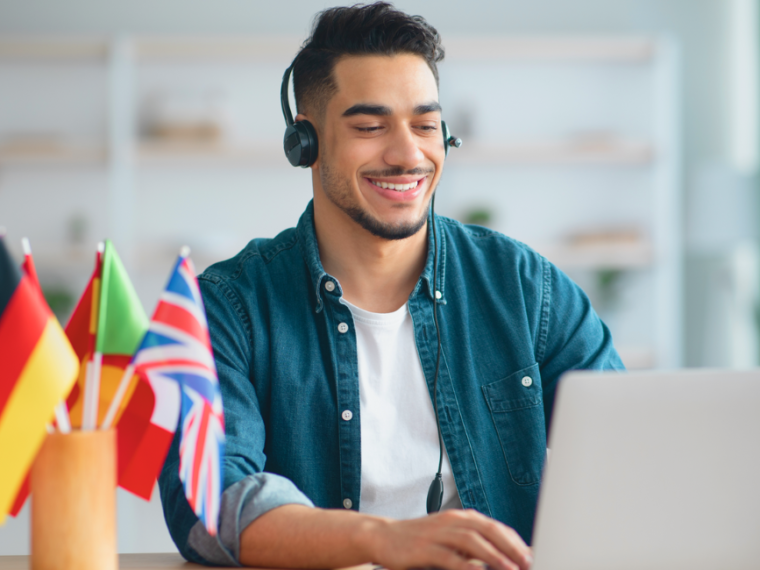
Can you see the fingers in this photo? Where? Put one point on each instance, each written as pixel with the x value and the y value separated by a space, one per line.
pixel 498 537
pixel 509 542
pixel 450 541
pixel 447 559
pixel 473 543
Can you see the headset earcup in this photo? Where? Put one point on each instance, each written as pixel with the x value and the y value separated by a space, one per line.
pixel 300 144
pixel 446 137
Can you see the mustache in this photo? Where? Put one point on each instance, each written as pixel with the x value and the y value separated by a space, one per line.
pixel 397 172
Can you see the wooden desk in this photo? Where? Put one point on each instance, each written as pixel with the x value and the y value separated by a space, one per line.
pixel 168 561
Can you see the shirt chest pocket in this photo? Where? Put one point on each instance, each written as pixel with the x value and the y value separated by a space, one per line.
pixel 516 405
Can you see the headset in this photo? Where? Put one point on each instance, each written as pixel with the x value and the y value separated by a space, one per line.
pixel 300 140
pixel 301 149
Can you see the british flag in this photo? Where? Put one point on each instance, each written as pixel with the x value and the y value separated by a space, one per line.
pixel 176 353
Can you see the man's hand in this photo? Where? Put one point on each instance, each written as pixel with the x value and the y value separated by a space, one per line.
pixel 449 540
pixel 294 536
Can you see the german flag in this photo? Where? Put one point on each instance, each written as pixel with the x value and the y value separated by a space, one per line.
pixel 37 370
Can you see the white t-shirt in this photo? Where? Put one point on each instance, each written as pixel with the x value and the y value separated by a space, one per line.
pixel 398 430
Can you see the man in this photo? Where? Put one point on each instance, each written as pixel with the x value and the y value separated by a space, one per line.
pixel 326 341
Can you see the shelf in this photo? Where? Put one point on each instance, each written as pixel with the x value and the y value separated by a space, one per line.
pixel 279 47
pixel 53 49
pixel 63 258
pixel 478 153
pixel 53 155
pixel 273 48
pixel 551 48
pixel 209 154
pixel 554 152
pixel 601 256
pixel 571 151
pixel 157 257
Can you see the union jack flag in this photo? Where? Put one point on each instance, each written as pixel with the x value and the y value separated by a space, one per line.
pixel 176 351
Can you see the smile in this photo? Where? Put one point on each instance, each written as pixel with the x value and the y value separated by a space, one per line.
pixel 397 187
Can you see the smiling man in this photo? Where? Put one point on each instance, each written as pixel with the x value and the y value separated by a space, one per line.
pixel 333 340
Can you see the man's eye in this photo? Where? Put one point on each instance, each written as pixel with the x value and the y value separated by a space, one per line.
pixel 368 129
pixel 428 128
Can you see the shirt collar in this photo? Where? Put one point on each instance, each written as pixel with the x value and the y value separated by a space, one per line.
pixel 307 237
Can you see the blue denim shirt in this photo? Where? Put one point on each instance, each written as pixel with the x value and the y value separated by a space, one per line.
pixel 287 372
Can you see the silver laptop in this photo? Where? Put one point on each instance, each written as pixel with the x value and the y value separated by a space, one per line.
pixel 652 470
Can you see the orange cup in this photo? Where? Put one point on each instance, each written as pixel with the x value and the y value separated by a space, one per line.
pixel 73 488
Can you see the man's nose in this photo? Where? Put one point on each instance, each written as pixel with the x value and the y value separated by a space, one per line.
pixel 403 149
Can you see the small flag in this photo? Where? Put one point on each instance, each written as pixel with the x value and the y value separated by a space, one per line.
pixel 104 329
pixel 176 352
pixel 80 331
pixel 37 369
pixel 61 414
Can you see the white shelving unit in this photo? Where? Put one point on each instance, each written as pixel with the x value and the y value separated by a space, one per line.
pixel 598 151
pixel 571 137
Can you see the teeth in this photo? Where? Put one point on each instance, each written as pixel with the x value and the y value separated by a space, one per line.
pixel 397 187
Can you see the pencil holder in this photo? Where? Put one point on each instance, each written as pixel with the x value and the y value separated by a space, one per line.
pixel 73 488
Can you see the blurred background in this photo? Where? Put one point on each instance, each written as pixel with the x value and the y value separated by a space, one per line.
pixel 617 137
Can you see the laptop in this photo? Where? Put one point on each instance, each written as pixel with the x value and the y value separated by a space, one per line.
pixel 652 470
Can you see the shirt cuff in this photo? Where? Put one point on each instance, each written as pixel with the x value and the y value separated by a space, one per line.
pixel 242 503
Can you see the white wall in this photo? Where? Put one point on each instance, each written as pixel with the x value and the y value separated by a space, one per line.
pixel 701 27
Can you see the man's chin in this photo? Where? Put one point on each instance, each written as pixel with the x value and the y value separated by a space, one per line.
pixel 386 230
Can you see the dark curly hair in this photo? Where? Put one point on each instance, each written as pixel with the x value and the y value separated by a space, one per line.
pixel 371 29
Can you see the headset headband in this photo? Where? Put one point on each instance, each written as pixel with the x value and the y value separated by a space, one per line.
pixel 284 101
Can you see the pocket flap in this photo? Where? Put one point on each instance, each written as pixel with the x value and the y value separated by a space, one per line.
pixel 521 389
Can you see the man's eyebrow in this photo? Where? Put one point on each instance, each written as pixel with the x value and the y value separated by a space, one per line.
pixel 427 108
pixel 383 111
pixel 367 109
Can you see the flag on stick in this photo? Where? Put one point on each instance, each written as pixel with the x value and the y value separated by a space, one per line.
pixel 176 358
pixel 81 330
pixel 37 369
pixel 105 329
pixel 61 413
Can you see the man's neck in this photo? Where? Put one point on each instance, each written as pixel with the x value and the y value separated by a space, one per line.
pixel 376 274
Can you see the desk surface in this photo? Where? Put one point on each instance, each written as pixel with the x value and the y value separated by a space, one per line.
pixel 168 561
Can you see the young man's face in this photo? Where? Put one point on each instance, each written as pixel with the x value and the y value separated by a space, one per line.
pixel 381 147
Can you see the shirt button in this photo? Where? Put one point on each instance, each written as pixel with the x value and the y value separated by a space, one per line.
pixel 348 503
pixel 438 295
pixel 527 381
pixel 330 286
pixel 342 328
pixel 347 415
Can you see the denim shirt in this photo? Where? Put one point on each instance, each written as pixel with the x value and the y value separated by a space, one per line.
pixel 511 323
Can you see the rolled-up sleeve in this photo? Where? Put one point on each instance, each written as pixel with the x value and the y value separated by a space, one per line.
pixel 249 492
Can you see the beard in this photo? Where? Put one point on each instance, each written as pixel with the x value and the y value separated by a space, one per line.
pixel 340 192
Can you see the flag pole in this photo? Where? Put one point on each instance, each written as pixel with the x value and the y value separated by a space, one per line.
pixel 118 397
pixel 92 372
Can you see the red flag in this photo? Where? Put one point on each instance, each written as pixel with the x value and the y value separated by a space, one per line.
pixel 38 369
pixel 30 271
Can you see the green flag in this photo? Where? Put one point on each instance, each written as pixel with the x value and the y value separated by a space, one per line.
pixel 122 322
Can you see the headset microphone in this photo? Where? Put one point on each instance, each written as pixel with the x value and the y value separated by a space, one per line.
pixel 301 149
